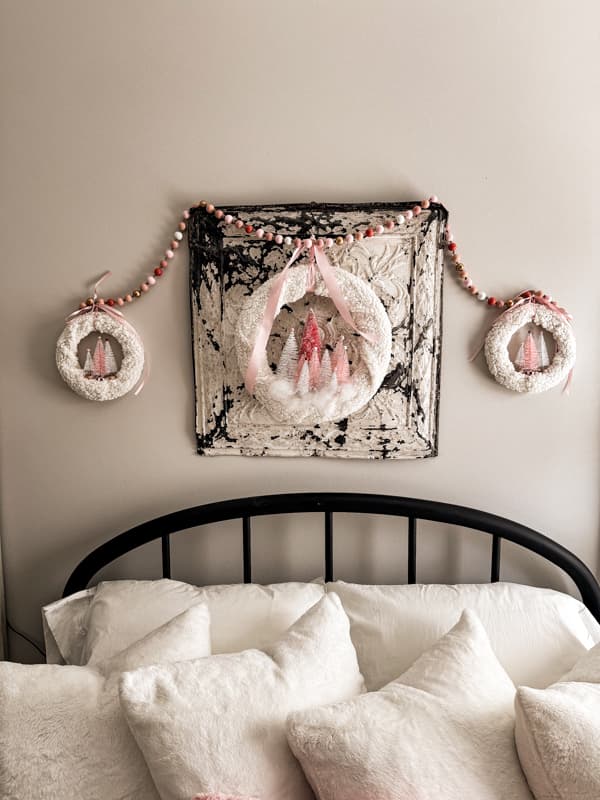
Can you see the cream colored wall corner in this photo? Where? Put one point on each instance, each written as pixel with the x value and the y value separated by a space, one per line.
pixel 118 114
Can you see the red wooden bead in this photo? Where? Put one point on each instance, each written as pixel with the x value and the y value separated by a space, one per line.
pixel 452 246
pixel 110 302
pixel 158 272
pixel 369 232
pixel 526 294
pixel 248 228
pixel 492 301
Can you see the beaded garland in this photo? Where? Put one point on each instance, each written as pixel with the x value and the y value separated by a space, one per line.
pixel 376 229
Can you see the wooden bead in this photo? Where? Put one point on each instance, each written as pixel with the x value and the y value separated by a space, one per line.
pixel 459 267
pixel 136 293
pixel 82 304
pixel 339 240
pixel 89 301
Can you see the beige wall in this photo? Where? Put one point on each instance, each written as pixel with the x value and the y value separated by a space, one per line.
pixel 118 114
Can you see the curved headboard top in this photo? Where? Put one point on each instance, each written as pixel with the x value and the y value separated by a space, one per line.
pixel 329 503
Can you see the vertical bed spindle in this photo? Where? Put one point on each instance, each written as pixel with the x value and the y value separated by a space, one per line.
pixel 328 546
pixel 166 555
pixel 496 547
pixel 247 549
pixel 412 550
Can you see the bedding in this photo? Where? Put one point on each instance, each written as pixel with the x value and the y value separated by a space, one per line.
pixel 443 729
pixel 62 733
pixel 218 723
pixel 537 634
pixel 558 734
pixel 121 612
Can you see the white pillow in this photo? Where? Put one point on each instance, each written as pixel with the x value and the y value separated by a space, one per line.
pixel 558 734
pixel 242 615
pixel 65 627
pixel 537 634
pixel 62 732
pixel 218 724
pixel 444 729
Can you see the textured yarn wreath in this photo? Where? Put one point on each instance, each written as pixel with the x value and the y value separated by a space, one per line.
pixel 67 359
pixel 370 368
pixel 497 340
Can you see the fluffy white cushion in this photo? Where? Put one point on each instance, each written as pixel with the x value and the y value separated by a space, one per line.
pixel 121 612
pixel 218 724
pixel 444 729
pixel 558 734
pixel 537 634
pixel 62 732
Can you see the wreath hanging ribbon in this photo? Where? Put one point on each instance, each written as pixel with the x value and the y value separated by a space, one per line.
pixel 318 262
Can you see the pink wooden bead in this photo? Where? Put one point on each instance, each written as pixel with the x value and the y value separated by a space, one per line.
pixel 128 298
pixel 144 287
pixel 151 280
pixel 228 219
pixel 449 237
pixel 329 242
pixel 390 224
pixel 186 214
pixel 320 243
pixel 174 244
pixel 379 229
pixel 434 199
pixel 120 301
pixel 468 283
pixel 219 213
pixel 349 238
pixel 297 242
pixel 308 243
pixel 169 253
pixel 82 305
pixel 182 226
pixel 164 263
pixel 210 208
pixel 278 239
pixel 456 258
pixel 358 236
pixel 260 233
pixel 416 210
pixel 269 236
pixel 425 204
pixel 100 301
pixel 239 223
pixel 408 214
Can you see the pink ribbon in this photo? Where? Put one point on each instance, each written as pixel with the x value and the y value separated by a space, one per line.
pixel 118 316
pixel 318 261
pixel 533 298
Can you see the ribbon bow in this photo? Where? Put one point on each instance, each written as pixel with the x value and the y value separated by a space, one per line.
pixel 318 262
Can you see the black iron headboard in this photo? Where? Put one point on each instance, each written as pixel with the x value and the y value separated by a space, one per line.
pixel 329 503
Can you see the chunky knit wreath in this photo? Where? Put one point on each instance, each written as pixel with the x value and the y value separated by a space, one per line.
pixel 370 366
pixel 497 340
pixel 67 359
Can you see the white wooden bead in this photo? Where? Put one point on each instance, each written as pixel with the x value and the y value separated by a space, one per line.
pixel 401 219
pixel 481 296
pixel 287 240
pixel 178 235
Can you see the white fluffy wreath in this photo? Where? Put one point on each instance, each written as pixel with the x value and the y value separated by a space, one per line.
pixel 369 316
pixel 496 348
pixel 67 359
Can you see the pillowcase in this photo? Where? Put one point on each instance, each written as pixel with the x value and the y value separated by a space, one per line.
pixel 537 634
pixel 62 733
pixel 218 724
pixel 558 734
pixel 443 729
pixel 121 612
pixel 65 627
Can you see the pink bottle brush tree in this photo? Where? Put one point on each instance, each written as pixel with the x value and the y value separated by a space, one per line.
pixel 528 357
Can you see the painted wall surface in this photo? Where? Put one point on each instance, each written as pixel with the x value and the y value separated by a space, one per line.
pixel 116 115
